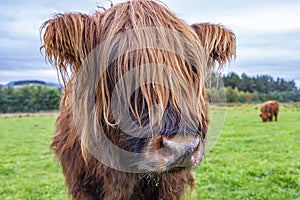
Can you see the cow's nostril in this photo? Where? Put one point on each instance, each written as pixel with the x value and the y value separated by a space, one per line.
pixel 191 147
pixel 189 150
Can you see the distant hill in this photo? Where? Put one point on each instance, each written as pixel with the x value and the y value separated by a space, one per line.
pixel 30 82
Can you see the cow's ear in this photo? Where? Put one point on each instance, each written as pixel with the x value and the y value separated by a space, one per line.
pixel 219 41
pixel 67 39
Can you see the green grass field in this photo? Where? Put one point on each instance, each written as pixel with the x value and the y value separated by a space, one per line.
pixel 251 160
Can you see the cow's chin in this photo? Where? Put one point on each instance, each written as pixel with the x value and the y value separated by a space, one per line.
pixel 172 154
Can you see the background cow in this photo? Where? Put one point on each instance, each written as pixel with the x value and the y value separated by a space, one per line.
pixel 268 110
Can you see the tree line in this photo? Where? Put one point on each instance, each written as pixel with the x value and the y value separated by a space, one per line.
pixel 260 88
pixel 29 99
pixel 243 89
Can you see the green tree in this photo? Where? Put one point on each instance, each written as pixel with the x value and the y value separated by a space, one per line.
pixel 255 96
pixel 232 95
pixel 232 79
pixel 28 99
pixel 247 84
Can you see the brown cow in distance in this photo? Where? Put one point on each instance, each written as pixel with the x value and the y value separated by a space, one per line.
pixel 268 110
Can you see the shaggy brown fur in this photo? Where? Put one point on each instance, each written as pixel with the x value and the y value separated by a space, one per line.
pixel 268 110
pixel 88 104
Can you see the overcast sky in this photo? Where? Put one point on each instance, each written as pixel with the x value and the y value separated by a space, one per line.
pixel 268 33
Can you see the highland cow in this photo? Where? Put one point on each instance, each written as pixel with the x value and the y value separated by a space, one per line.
pixel 134 112
pixel 268 110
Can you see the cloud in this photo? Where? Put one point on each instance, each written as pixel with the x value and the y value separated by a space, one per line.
pixel 276 18
pixel 268 33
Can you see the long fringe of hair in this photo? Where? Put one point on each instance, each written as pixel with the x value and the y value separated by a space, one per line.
pixel 78 43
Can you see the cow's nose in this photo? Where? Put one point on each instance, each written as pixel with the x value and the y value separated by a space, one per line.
pixel 181 145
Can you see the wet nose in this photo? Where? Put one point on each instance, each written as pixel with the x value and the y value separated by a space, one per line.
pixel 181 144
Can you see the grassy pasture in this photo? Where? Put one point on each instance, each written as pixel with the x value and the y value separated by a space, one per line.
pixel 251 160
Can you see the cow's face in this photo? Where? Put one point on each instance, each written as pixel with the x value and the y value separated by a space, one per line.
pixel 138 82
pixel 265 116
